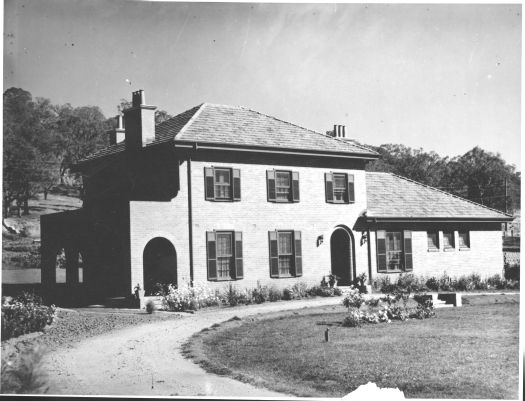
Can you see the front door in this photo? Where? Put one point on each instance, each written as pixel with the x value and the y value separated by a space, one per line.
pixel 341 252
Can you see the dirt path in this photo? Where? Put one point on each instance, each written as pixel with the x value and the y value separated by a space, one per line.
pixel 146 360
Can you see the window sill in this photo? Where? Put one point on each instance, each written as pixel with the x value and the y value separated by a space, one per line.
pixel 464 249
pixel 392 271
pixel 433 249
pixel 449 249
pixel 224 279
pixel 289 276
pixel 221 200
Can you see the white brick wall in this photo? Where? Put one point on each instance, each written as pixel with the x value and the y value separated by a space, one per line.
pixel 254 216
pixel 485 256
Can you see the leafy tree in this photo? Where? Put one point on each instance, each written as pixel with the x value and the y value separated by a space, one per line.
pixel 26 143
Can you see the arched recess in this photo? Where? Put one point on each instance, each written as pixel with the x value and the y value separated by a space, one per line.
pixel 159 263
pixel 342 246
pixel 60 266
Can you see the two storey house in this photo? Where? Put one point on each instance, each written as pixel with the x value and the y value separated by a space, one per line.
pixel 222 194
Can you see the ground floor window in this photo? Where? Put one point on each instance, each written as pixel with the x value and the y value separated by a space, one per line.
pixel 464 239
pixel 225 255
pixel 285 253
pixel 448 240
pixel 394 251
pixel 433 240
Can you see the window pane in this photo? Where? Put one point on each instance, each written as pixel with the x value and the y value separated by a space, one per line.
pixel 224 244
pixel 282 185
pixel 393 250
pixel 432 240
pixel 285 243
pixel 285 263
pixel 223 267
pixel 222 184
pixel 448 240
pixel 464 241
pixel 339 181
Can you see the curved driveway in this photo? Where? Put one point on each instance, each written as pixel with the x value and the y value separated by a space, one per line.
pixel 146 360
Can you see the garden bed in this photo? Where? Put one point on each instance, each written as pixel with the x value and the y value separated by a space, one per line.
pixel 469 352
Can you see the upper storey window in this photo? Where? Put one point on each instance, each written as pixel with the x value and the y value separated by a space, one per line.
pixel 222 184
pixel 283 186
pixel 339 187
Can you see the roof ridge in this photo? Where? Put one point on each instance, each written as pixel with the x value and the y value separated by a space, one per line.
pixel 306 129
pixel 199 107
pixel 448 193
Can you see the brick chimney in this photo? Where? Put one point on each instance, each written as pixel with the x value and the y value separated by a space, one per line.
pixel 338 132
pixel 118 134
pixel 139 121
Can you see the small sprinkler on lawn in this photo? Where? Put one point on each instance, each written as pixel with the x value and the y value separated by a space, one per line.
pixel 326 335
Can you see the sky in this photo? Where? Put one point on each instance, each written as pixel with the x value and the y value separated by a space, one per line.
pixel 441 77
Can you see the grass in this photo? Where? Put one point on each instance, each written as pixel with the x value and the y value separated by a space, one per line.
pixel 467 352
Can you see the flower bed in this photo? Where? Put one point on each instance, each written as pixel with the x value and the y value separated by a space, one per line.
pixel 185 297
pixel 382 310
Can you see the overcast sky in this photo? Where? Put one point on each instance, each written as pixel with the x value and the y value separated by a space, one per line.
pixel 441 77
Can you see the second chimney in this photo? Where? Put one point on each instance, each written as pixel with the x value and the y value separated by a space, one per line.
pixel 139 121
pixel 118 134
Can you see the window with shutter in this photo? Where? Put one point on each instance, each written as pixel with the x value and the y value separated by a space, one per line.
pixel 285 253
pixel 339 188
pixel 283 186
pixel 222 184
pixel 225 258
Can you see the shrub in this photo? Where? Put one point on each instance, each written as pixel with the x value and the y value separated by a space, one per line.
pixel 512 272
pixel 353 299
pixel 288 294
pixel 496 282
pixel 422 299
pixel 25 375
pixel 433 284
pixel 186 297
pixel 373 302
pixel 260 294
pixel 275 294
pixel 353 319
pixel 232 296
pixel 408 282
pixel 337 291
pixel 300 290
pixel 321 291
pixel 25 314
pixel 150 306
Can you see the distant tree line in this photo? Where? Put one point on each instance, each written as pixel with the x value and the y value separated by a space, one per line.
pixel 42 141
pixel 480 176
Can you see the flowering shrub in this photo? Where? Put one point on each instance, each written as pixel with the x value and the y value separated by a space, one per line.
pixel 186 297
pixel 24 314
pixel 353 298
pixel 353 319
pixel 274 294
pixel 260 294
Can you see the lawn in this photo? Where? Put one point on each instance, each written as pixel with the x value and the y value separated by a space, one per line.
pixel 466 352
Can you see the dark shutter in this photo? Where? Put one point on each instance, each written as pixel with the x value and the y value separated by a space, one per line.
pixel 295 186
pixel 212 255
pixel 274 254
pixel 238 255
pixel 381 250
pixel 329 187
pixel 351 192
pixel 298 254
pixel 407 240
pixel 270 182
pixel 209 189
pixel 236 184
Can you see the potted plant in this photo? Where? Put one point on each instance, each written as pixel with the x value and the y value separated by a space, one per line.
pixel 332 280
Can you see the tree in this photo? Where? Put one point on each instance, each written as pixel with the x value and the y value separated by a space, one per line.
pixel 78 132
pixel 416 164
pixel 480 176
pixel 26 143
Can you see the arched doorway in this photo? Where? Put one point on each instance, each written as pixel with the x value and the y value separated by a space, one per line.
pixel 159 264
pixel 341 250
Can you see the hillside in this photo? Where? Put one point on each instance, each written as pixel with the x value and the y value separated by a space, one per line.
pixel 21 250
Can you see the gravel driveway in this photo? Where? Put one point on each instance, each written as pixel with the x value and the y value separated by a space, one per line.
pixel 146 360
